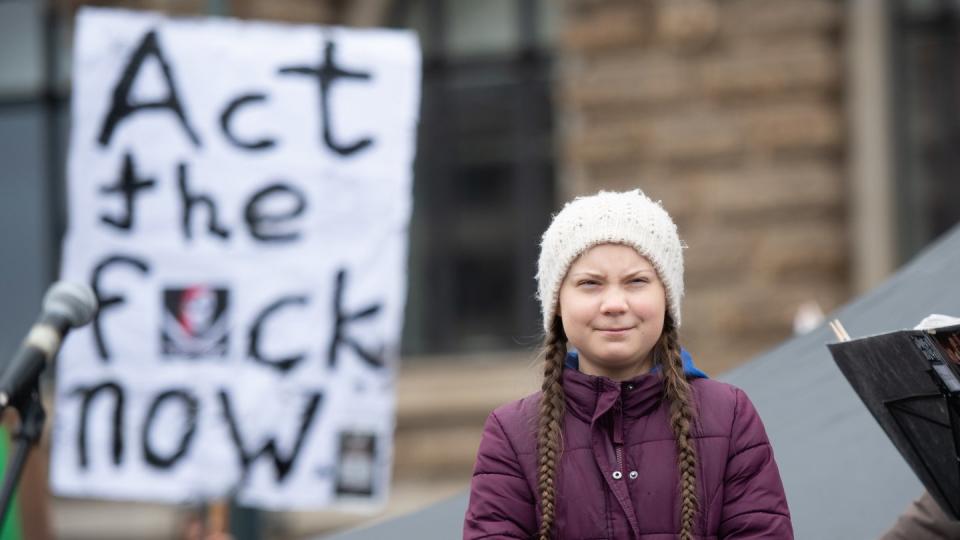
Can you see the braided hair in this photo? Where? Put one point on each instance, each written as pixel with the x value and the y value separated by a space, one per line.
pixel 550 421
pixel 677 393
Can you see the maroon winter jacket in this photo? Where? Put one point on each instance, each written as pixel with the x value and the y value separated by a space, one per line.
pixel 740 492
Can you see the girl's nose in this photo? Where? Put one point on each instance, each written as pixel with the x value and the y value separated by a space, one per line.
pixel 614 302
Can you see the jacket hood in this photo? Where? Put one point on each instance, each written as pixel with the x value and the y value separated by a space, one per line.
pixel 689 369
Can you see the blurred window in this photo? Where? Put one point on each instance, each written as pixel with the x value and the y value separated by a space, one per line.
pixel 21 49
pixel 926 67
pixel 484 173
pixel 31 133
pixel 481 27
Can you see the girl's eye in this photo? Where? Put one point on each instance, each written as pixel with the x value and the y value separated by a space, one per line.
pixel 588 282
pixel 639 280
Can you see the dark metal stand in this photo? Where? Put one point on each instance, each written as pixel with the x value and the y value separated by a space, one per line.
pixel 32 417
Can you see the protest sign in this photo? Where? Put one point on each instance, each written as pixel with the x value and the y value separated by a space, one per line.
pixel 239 199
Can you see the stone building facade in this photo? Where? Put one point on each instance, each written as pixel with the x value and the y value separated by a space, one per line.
pixel 731 112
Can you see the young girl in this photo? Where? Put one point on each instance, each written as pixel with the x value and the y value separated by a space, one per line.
pixel 627 439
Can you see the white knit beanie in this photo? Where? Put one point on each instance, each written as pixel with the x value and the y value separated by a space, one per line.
pixel 629 218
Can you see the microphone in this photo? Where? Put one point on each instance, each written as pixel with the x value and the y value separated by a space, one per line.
pixel 66 305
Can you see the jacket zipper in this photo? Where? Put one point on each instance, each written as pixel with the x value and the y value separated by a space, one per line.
pixel 618 435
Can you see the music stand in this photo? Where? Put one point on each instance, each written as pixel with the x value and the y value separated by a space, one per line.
pixel 910 382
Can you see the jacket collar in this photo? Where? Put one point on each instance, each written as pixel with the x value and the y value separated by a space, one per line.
pixel 589 396
pixel 689 369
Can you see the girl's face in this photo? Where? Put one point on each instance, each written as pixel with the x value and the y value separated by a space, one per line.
pixel 612 305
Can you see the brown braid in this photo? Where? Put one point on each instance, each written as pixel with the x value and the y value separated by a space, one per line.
pixel 678 394
pixel 550 423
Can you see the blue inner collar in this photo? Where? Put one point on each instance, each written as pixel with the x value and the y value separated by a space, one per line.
pixel 689 369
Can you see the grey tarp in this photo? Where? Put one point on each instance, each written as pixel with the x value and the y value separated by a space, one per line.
pixel 843 477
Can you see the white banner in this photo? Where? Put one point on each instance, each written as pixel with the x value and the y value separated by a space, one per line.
pixel 239 198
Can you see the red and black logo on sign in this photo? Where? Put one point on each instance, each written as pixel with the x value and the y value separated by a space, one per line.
pixel 195 322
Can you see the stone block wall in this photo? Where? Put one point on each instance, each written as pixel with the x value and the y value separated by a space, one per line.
pixel 730 112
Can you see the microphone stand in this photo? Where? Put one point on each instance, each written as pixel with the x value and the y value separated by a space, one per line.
pixel 32 417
